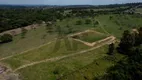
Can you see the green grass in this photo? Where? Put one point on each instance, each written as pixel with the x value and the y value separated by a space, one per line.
pixel 45 52
pixel 33 38
pixel 97 68
pixel 139 10
pixel 109 26
pixel 79 67
pixel 72 22
pixel 91 37
pixel 63 67
pixel 69 67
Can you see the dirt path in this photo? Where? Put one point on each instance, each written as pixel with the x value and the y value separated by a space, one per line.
pixel 96 42
pixel 86 31
pixel 104 29
pixel 66 56
pixel 17 31
pixel 26 51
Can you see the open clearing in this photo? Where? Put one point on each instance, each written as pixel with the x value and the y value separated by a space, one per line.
pixel 89 36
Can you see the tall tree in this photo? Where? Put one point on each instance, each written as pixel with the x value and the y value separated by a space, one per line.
pixel 127 42
pixel 111 49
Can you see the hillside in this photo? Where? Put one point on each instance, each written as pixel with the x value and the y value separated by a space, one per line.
pixel 71 46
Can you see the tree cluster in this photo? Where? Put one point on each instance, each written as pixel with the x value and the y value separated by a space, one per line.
pixel 130 67
pixel 15 18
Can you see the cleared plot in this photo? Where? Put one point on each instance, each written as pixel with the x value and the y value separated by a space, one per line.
pixel 45 52
pixel 90 36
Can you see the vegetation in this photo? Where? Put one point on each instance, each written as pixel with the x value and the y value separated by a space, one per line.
pixel 50 54
pixel 24 31
pixel 6 38
pixel 91 37
pixel 128 68
pixel 79 22
pixel 87 21
pixel 111 49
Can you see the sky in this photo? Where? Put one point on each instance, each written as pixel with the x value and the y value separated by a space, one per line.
pixel 66 2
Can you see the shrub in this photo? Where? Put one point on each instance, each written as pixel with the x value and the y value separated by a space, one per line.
pixel 79 22
pixel 6 38
pixel 87 21
pixel 56 71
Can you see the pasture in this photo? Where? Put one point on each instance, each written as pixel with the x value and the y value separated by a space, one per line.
pixel 42 56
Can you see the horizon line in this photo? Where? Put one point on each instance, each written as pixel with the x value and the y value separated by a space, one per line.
pixel 65 4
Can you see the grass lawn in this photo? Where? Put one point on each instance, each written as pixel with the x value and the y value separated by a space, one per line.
pixel 33 38
pixel 97 68
pixel 72 68
pixel 91 37
pixel 139 10
pixel 127 22
pixel 45 52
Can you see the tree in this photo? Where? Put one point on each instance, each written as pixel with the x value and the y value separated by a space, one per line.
pixel 96 23
pixel 110 17
pixel 87 21
pixel 79 22
pixel 126 43
pixel 6 38
pixel 139 35
pixel 129 68
pixel 111 49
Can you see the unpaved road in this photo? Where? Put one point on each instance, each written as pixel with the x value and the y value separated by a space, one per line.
pixel 17 31
pixel 66 56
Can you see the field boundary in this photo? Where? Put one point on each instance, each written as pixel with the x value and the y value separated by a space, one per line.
pixel 88 43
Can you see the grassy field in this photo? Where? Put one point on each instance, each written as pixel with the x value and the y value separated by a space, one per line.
pixel 33 38
pixel 94 69
pixel 69 68
pixel 78 67
pixel 139 10
pixel 125 22
pixel 91 37
pixel 53 70
pixel 45 52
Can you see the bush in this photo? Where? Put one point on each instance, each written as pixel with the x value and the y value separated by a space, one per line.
pixel 96 23
pixel 79 22
pixel 6 38
pixel 87 21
